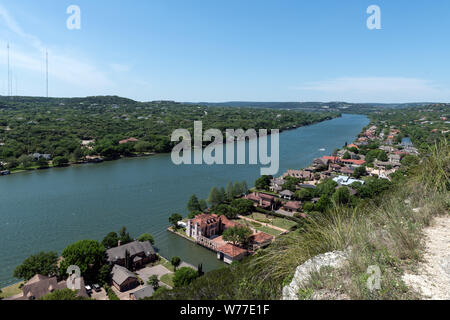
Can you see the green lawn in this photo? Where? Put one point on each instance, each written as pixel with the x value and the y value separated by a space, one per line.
pixel 268 230
pixel 283 223
pixel 11 290
pixel 168 279
pixel 262 228
pixel 277 222
pixel 168 265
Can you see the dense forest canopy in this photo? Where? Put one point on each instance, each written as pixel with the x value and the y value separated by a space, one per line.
pixel 58 126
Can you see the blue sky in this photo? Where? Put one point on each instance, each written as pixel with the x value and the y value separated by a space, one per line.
pixel 214 50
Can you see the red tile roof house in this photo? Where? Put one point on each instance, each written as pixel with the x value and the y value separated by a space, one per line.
pixel 128 140
pixel 292 206
pixel 260 240
pixel 262 200
pixel 230 253
pixel 207 225
pixel 344 161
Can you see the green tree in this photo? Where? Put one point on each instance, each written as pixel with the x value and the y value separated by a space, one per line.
pixel 154 282
pixel 323 204
pixel 244 187
pixel 60 161
pixel 225 210
pixel 243 206
pixel 44 263
pixel 203 205
pixel 193 214
pixel 303 194
pixel 237 189
pixel 229 192
pixel 193 204
pixel 111 240
pixel 347 156
pixel 237 235
pixel 25 161
pixel 326 187
pixel 308 207
pixel 359 172
pixel 174 219
pixel 184 277
pixel 88 255
pixel 263 182
pixel 142 146
pixel 175 261
pixel 410 160
pixel 215 197
pixel 146 237
pixel 104 274
pixel 64 294
pixel 341 196
pixel 42 163
pixel 124 236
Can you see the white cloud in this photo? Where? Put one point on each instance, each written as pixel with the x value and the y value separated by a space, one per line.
pixel 376 89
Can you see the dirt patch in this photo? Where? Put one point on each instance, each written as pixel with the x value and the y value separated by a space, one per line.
pixel 432 279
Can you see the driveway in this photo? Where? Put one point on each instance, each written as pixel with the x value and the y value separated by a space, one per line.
pixel 147 272
pixel 99 295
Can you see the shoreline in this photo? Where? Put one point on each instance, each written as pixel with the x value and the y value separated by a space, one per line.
pixel 157 154
pixel 149 154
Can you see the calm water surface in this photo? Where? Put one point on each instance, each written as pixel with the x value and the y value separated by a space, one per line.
pixel 48 210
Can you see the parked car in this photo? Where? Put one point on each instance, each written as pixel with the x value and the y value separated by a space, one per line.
pixel 96 288
pixel 88 289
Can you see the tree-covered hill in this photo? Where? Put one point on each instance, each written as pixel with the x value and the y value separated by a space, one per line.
pixel 57 126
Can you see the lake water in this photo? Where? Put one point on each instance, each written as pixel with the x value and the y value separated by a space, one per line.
pixel 47 210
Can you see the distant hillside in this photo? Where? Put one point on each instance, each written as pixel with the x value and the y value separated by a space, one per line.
pixel 314 106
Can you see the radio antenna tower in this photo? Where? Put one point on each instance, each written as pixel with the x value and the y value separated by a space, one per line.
pixel 9 74
pixel 46 69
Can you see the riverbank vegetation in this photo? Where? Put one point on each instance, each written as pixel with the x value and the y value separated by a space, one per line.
pixel 385 232
pixel 383 229
pixel 37 133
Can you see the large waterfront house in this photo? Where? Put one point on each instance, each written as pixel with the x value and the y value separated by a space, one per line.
pixel 207 226
pixel 262 200
pixel 123 279
pixel 39 286
pixel 139 253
